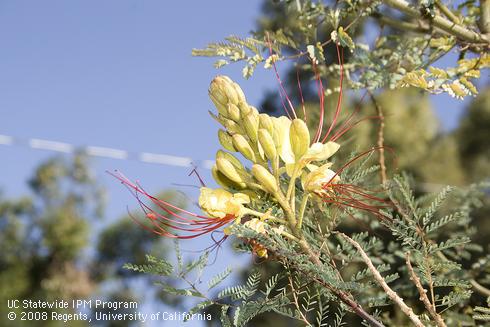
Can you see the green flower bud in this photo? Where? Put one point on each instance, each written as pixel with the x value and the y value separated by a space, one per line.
pixel 244 108
pixel 267 143
pixel 232 127
pixel 265 121
pixel 226 140
pixel 223 88
pixel 241 144
pixel 231 158
pixel 299 137
pixel 233 112
pixel 239 92
pixel 222 108
pixel 224 181
pixel 265 178
pixel 226 168
pixel 217 94
pixel 251 124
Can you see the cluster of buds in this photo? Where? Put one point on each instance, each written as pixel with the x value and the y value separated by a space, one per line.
pixel 269 143
pixel 278 152
pixel 273 146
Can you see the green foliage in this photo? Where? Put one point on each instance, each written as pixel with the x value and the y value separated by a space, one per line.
pixel 303 29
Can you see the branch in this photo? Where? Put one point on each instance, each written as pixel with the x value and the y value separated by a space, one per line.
pixel 484 22
pixel 448 13
pixel 480 288
pixel 391 294
pixel 400 24
pixel 444 24
pixel 423 294
pixel 381 139
pixel 343 296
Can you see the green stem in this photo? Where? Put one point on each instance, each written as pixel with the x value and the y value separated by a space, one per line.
pixel 292 183
pixel 302 208
pixel 262 214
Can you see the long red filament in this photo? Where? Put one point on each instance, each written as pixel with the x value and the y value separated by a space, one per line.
pixel 174 218
pixel 340 55
pixel 282 90
pixel 321 97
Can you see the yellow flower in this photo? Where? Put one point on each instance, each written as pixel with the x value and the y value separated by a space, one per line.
pixel 316 180
pixel 316 152
pixel 219 203
pixel 319 151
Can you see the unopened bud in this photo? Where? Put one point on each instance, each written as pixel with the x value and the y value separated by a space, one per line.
pixel 239 92
pixel 217 94
pixel 226 140
pixel 231 158
pixel 251 124
pixel 233 112
pixel 265 178
pixel 232 127
pixel 299 137
pixel 226 168
pixel 244 108
pixel 265 121
pixel 267 144
pixel 224 181
pixel 222 108
pixel 222 87
pixel 241 144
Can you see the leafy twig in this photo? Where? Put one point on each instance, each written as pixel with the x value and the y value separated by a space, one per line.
pixel 391 294
pixel 423 294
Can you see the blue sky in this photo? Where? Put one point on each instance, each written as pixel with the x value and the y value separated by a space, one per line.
pixel 119 73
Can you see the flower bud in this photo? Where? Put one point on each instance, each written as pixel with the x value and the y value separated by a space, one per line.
pixel 267 144
pixel 265 178
pixel 244 108
pixel 232 127
pixel 227 169
pixel 281 138
pixel 299 136
pixel 224 181
pixel 231 158
pixel 222 109
pixel 265 121
pixel 254 110
pixel 233 112
pixel 241 144
pixel 239 92
pixel 223 89
pixel 226 140
pixel 251 124
pixel 216 94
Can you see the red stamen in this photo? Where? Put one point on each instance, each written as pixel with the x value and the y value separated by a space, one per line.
pixel 301 93
pixel 282 90
pixel 321 97
pixel 173 218
pixel 340 55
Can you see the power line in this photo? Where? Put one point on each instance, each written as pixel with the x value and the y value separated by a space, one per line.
pixel 146 157
pixel 104 152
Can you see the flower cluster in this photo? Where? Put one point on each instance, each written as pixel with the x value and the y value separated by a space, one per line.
pixel 279 152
